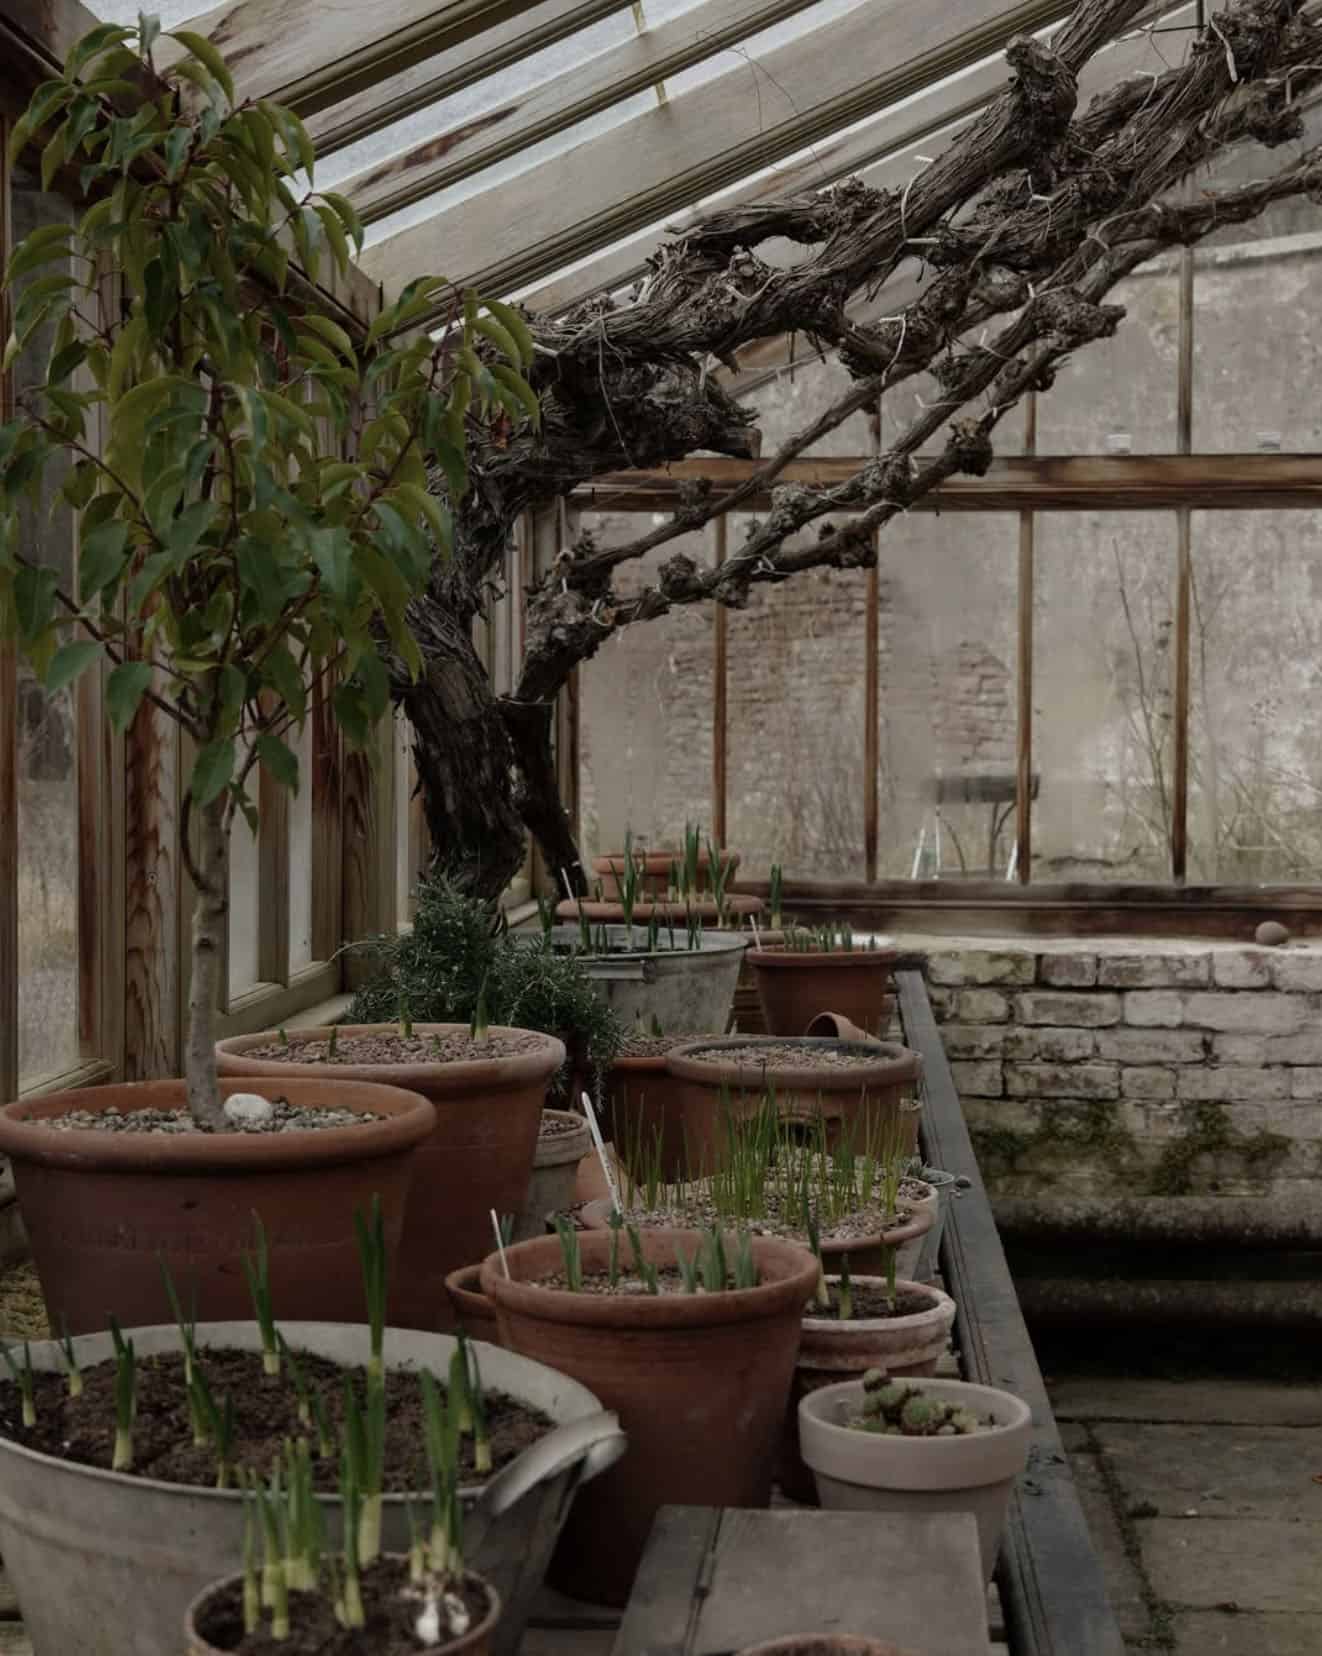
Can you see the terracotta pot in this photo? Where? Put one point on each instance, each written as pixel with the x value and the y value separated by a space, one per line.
pixel 832 1026
pixel 476 1642
pixel 473 1311
pixel 602 913
pixel 554 1172
pixel 915 1476
pixel 479 1155
pixel 795 985
pixel 645 1103
pixel 856 1100
pixel 699 1382
pixel 590 1182
pixel 655 867
pixel 831 1351
pixel 826 1644
pixel 103 1209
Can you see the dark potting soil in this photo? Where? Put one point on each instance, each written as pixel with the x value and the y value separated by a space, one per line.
pixel 284 1118
pixel 389 1047
pixel 786 1057
pixel 871 1302
pixel 654 1046
pixel 390 1608
pixel 553 1127
pixel 82 1429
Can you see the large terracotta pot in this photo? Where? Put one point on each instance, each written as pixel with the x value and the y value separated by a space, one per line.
pixel 699 1382
pixel 476 1642
pixel 654 868
pixel 652 1113
pixel 103 1209
pixel 853 1101
pixel 831 1351
pixel 473 1311
pixel 795 985
pixel 478 1156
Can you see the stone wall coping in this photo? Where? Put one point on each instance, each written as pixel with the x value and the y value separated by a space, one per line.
pixel 929 943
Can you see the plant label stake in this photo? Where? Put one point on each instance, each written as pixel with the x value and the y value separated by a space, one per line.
pixel 591 1114
pixel 500 1244
pixel 757 936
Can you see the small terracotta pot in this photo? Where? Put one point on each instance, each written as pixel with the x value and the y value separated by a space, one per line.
pixel 655 868
pixel 103 1209
pixel 479 1155
pixel 833 1026
pixel 861 1098
pixel 554 1171
pixel 795 985
pixel 699 1382
pixel 476 1642
pixel 831 1351
pixel 914 1476
pixel 473 1310
pixel 826 1644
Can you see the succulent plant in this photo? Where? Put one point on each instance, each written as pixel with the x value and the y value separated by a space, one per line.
pixel 897 1410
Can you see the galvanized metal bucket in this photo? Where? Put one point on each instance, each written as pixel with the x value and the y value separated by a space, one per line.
pixel 106 1565
pixel 690 991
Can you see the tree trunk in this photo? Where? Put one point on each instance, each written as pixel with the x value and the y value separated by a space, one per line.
pixel 210 873
pixel 537 793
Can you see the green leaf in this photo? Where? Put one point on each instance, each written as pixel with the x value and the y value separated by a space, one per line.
pixel 34 599
pixel 332 552
pixel 102 559
pixel 125 688
pixel 53 156
pixel 278 760
pixel 212 770
pixel 211 60
pixel 515 326
pixel 281 673
pixel 332 333
pixel 43 246
pixel 521 390
pixel 149 27
pixel 348 215
pixel 69 662
pixel 94 41
pixel 500 337
pixel 188 529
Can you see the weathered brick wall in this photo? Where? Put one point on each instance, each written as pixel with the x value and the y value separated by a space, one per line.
pixel 1128 1067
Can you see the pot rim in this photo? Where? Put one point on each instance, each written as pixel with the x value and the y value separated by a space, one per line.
pixel 886 953
pixel 564 1147
pixel 792 1285
pixel 458 1075
pixel 711 943
pixel 920 1220
pixel 936 1312
pixel 609 911
pixel 466 1641
pixel 409 1118
pixel 658 862
pixel 45 1358
pixel 889 1063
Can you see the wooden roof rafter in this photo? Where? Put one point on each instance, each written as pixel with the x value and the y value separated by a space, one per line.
pixel 622 180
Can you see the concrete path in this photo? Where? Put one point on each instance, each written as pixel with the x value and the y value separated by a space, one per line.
pixel 1205 1501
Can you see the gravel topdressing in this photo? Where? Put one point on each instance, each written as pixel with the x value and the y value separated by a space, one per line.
pixel 692 1208
pixel 287 1118
pixel 653 1046
pixel 389 1047
pixel 787 1057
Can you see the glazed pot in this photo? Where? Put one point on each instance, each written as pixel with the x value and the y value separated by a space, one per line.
pixel 699 1382
pixel 103 1209
pixel 867 1098
pixel 654 870
pixel 105 1564
pixel 478 1641
pixel 478 1156
pixel 474 1312
pixel 915 1476
pixel 682 988
pixel 796 984
pixel 554 1171
pixel 825 1644
pixel 831 1351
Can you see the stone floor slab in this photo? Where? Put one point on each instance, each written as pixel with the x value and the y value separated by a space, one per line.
pixel 1211 1633
pixel 1187 1402
pixel 1124 1585
pixel 1254 1563
pixel 1218 1471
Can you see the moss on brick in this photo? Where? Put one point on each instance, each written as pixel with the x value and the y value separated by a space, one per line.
pixel 1208 1132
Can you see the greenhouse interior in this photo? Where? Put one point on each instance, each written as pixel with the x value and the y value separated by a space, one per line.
pixel 660 838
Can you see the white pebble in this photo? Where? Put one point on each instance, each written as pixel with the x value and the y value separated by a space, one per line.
pixel 248 1109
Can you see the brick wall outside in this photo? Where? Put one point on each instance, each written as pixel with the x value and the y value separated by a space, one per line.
pixel 1173 1068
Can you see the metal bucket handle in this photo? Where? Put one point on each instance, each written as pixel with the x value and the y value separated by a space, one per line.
pixel 596 1441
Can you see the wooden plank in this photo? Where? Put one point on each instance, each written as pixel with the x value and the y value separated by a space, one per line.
pixel 1051 483
pixel 720 695
pixel 310 56
pixel 714 1581
pixel 8 730
pixel 880 152
pixel 272 879
pixel 433 79
pixel 34 40
pixel 327 784
pixel 872 691
pixel 1053 1591
pixel 1179 846
pixel 629 177
pixel 154 903
pixel 561 102
pixel 1024 671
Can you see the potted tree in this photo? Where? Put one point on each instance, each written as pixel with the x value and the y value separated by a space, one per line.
pixel 255 514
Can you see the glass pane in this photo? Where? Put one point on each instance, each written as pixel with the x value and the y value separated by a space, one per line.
pixel 947 696
pixel 645 712
pixel 1102 695
pixel 300 854
pixel 48 1039
pixel 245 899
pixel 796 739
pixel 1255 775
